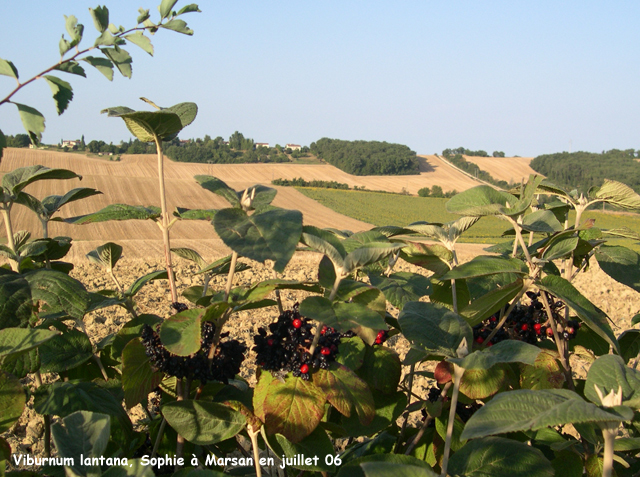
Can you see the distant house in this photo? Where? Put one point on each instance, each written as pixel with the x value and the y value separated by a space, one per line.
pixel 261 144
pixel 184 142
pixel 70 143
pixel 293 147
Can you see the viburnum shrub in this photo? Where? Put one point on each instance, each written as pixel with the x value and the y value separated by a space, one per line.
pixel 501 332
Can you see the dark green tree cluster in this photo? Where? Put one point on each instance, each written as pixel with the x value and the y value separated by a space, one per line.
pixel 461 163
pixel 437 192
pixel 19 140
pixel 581 170
pixel 362 158
pixel 300 182
pixel 466 152
pixel 498 154
pixel 216 151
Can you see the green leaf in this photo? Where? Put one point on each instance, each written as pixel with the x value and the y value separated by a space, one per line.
pixel 621 264
pixel 568 464
pixel 138 378
pixel 271 235
pixel 389 469
pixel 292 407
pixel 117 212
pixel 560 248
pixel 351 352
pixel 100 17
pixel 482 383
pixel 82 434
pixel 480 201
pixel 381 369
pixel 74 29
pixel 146 125
pixel 343 316
pixel 316 445
pixel 593 317
pixel 180 333
pixel 499 457
pixel 63 46
pixel 65 351
pixel 215 185
pixel 53 203
pixel 194 214
pixel 402 287
pixel 144 15
pixel 507 351
pixel 187 113
pixel 71 67
pixel 485 306
pixel 132 330
pixel 18 179
pixel 21 364
pixel 103 65
pixel 7 68
pixel 542 221
pixel 122 60
pixel 179 26
pixel 608 373
pixel 433 257
pixel 618 194
pixel 629 344
pixel 485 265
pixel 525 410
pixel 388 407
pixel 59 290
pixel 106 255
pixel 203 423
pixel 133 468
pixel 19 340
pixel 545 373
pixel 188 8
pixel 433 329
pixel 526 197
pixel 143 280
pixel 32 121
pixel 190 254
pixel 367 254
pixel 353 468
pixel 165 8
pixel 12 401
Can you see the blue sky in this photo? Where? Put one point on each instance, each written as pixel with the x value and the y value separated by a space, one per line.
pixel 526 78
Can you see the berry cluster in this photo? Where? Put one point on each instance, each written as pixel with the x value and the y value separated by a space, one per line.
pixel 176 305
pixel 227 358
pixel 286 347
pixel 528 323
pixel 381 337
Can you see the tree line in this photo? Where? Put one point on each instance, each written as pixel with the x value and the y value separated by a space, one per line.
pixel 362 158
pixel 468 152
pixel 581 170
pixel 469 167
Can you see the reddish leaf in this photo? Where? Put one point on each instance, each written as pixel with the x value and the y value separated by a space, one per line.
pixel 345 391
pixel 293 407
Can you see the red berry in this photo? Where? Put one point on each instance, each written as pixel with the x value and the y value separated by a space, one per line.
pixel 442 373
pixel 493 318
pixel 549 332
pixel 524 327
pixel 489 344
pixel 380 334
pixel 325 351
pixel 479 340
pixel 270 342
pixel 297 323
pixel 537 327
pixel 570 330
pixel 304 369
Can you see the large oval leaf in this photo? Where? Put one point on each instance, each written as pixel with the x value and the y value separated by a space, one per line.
pixel 346 391
pixel 19 340
pixel 486 265
pixel 180 333
pixel 271 235
pixel 480 201
pixel 621 264
pixel 12 401
pixel 203 423
pixel 609 373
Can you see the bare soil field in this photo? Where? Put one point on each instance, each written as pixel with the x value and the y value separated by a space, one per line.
pixel 510 169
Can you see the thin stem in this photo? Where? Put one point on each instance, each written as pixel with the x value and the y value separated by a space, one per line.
pixel 6 214
pixel 504 318
pixel 156 445
pixel 316 337
pixel 165 221
pixel 425 423
pixel 232 271
pixel 274 274
pixel 115 280
pixel 560 345
pixel 47 420
pixel 609 434
pixel 253 435
pixel 180 440
pixel 412 371
pixel 457 376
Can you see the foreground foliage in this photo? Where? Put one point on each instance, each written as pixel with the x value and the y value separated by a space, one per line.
pixel 331 398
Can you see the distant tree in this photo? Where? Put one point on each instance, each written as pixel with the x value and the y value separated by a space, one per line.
pixel 19 140
pixel 424 192
pixel 498 154
pixel 436 191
